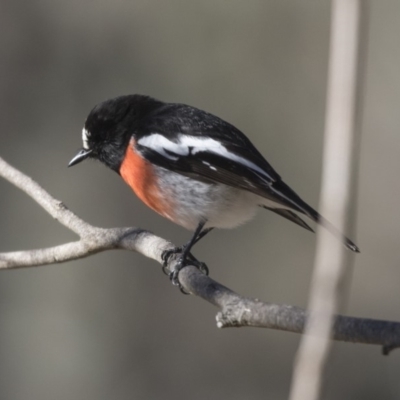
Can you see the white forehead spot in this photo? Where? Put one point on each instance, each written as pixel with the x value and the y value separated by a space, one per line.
pixel 85 136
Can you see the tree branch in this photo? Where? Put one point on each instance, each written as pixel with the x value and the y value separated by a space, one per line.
pixel 342 117
pixel 235 310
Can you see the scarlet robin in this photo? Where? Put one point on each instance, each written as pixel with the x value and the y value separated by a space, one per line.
pixel 189 166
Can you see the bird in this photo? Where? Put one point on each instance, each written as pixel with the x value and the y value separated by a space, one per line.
pixel 190 167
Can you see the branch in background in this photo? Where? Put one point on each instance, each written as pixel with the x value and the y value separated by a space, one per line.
pixel 342 115
pixel 235 310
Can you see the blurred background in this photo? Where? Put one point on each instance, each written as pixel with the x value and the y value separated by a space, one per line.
pixel 111 326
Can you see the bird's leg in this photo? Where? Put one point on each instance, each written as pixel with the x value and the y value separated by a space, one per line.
pixel 186 257
pixel 202 234
pixel 185 249
pixel 194 239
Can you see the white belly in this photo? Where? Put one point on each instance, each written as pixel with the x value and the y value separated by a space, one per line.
pixel 220 205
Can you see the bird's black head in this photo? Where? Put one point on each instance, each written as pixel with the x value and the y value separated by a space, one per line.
pixel 109 127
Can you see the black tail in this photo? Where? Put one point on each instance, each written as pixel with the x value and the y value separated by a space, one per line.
pixel 291 216
pixel 321 220
pixel 290 198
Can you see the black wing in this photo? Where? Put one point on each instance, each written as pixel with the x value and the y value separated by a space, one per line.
pixel 194 143
pixel 200 145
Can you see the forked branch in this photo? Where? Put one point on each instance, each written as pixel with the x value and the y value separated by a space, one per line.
pixel 235 310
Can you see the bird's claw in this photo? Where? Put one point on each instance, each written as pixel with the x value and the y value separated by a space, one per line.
pixel 202 267
pixel 182 262
pixel 173 276
pixel 165 256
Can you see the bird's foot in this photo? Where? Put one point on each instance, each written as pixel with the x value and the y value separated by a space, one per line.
pixel 166 255
pixel 183 261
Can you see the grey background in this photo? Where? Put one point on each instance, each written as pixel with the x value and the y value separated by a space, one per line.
pixel 111 326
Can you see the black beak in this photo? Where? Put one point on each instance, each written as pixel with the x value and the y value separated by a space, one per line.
pixel 83 154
